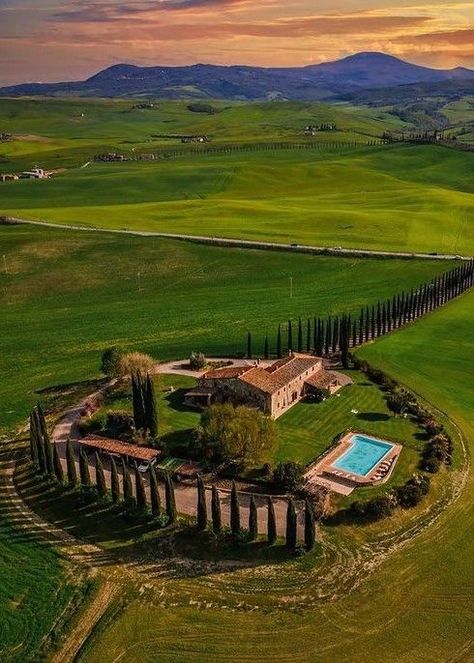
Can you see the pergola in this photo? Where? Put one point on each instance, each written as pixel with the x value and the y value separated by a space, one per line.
pixel 119 448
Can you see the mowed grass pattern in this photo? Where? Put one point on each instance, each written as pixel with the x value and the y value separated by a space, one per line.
pixel 66 296
pixel 416 606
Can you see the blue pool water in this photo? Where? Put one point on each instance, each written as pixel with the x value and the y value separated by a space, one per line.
pixel 363 455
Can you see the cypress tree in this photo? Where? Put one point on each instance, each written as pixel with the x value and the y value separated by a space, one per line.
pixel 249 345
pixel 367 324
pixel 291 525
pixel 315 335
pixel 100 477
pixel 127 485
pixel 234 510
pixel 300 335
pixel 271 522
pixel 170 499
pixel 71 465
pixel 151 411
pixel 140 492
pixel 321 334
pixel 309 527
pixel 44 436
pixel 84 470
pixel 308 335
pixel 58 468
pixel 361 326
pixel 115 482
pixel 335 334
pixel 155 498
pixel 354 334
pixel 279 348
pixel 327 341
pixel 33 442
pixel 290 336
pixel 216 511
pixel 378 320
pixel 48 452
pixel 138 401
pixel 253 520
pixel 372 323
pixel 201 505
pixel 266 350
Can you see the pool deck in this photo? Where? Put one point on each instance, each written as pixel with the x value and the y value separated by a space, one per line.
pixel 323 472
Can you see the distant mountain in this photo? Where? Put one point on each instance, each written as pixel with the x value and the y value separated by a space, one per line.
pixel 313 82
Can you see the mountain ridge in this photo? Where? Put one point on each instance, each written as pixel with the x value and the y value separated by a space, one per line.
pixel 247 83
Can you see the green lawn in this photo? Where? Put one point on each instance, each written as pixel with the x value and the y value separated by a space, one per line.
pixel 309 428
pixel 402 198
pixel 415 606
pixel 68 295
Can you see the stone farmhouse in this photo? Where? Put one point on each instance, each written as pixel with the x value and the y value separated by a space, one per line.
pixel 273 389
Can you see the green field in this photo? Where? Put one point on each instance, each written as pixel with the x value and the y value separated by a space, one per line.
pixel 402 198
pixel 66 296
pixel 416 606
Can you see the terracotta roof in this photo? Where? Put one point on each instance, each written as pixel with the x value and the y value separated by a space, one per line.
pixel 228 372
pixel 278 364
pixel 118 447
pixel 322 379
pixel 291 370
pixel 261 379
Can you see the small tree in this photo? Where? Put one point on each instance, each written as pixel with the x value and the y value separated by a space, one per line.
pixel 111 361
pixel 115 482
pixel 234 510
pixel 197 361
pixel 58 468
pixel 140 492
pixel 249 345
pixel 266 350
pixel 253 519
pixel 309 527
pixel 291 525
pixel 71 465
pixel 201 505
pixel 216 511
pixel 138 401
pixel 155 498
pixel 136 362
pixel 170 499
pixel 271 522
pixel 279 343
pixel 84 470
pixel 288 476
pixel 100 477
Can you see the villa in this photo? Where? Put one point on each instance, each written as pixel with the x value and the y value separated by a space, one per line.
pixel 273 389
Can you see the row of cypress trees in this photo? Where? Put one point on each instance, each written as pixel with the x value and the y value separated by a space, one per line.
pixel 45 457
pixel 145 413
pixel 235 519
pixel 325 336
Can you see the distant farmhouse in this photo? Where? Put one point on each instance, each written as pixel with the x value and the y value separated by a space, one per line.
pixel 8 177
pixel 194 139
pixel 273 389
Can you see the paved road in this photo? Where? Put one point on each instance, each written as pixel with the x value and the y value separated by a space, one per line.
pixel 252 244
pixel 186 496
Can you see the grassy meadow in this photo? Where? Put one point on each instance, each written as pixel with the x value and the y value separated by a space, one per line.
pixel 415 606
pixel 405 198
pixel 65 296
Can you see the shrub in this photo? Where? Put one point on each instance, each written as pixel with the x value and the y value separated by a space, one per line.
pixel 375 375
pixel 93 424
pixel 432 427
pixel 136 362
pixel 197 361
pixel 111 361
pixel 288 476
pixel 439 447
pixel 399 400
pixel 318 394
pixel 119 423
pixel 409 495
pixel 431 465
pixel 379 507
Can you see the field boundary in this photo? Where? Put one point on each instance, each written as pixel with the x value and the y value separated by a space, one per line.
pixel 337 252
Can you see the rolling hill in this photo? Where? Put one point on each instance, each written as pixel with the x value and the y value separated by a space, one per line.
pixel 363 70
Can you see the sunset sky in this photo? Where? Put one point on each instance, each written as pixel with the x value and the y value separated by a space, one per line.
pixel 50 40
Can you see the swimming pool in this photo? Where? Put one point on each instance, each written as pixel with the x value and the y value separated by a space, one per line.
pixel 363 455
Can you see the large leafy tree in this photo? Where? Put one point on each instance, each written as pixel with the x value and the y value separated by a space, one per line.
pixel 240 434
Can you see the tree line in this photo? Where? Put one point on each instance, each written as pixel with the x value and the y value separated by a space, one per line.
pixel 46 462
pixel 325 336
